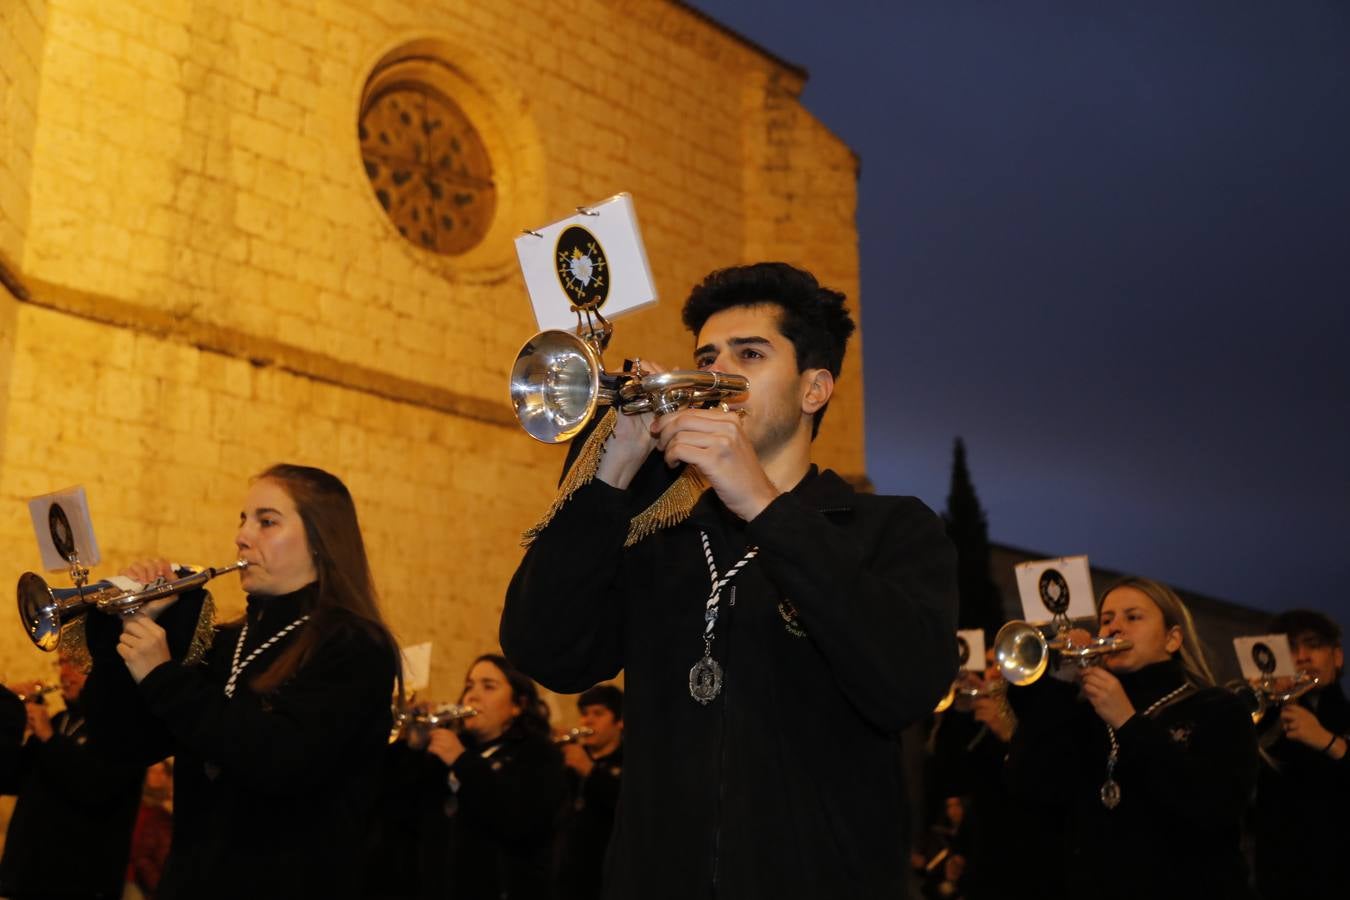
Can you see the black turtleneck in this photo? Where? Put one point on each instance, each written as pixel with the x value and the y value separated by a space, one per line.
pixel 267 614
pixel 1184 771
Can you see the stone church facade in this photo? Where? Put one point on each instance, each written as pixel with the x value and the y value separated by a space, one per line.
pixel 234 232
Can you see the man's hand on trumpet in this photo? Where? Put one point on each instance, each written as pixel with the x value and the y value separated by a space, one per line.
pixel 714 441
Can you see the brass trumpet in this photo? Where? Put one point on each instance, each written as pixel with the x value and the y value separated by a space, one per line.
pixel 45 610
pixel 1023 652
pixel 558 380
pixel 574 736
pixel 443 716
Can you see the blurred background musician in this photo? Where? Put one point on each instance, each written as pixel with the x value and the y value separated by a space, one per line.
pixel 279 732
pixel 1300 827
pixel 595 764
pixel 71 798
pixel 1161 814
pixel 968 750
pixel 501 781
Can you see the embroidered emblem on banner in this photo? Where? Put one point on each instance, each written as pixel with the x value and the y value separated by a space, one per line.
pixel 583 269
pixel 1054 591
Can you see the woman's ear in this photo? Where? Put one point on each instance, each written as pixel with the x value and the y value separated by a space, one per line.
pixel 819 384
pixel 1174 639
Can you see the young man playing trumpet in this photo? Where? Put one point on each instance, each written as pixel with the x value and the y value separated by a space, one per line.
pixel 1301 834
pixel 786 620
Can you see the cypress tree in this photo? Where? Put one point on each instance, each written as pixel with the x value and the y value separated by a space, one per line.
pixel 968 527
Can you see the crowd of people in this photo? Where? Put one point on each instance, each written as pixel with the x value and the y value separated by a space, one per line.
pixel 1143 766
pixel 780 633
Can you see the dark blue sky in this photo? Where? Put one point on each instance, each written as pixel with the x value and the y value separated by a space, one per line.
pixel 1109 245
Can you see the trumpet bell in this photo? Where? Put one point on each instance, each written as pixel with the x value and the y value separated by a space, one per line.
pixel 39 611
pixel 555 385
pixel 1022 653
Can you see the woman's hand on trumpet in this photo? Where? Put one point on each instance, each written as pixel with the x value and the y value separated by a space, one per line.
pixel 146 571
pixel 143 645
pixel 446 745
pixel 1104 691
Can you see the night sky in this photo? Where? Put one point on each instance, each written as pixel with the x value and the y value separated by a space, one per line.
pixel 1108 244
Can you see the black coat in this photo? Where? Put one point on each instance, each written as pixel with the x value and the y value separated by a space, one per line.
pixel 504 810
pixel 1301 827
pixel 272 794
pixel 586 833
pixel 71 800
pixel 1185 775
pixel 732 799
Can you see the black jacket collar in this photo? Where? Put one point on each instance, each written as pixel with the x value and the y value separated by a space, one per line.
pixel 824 492
pixel 274 612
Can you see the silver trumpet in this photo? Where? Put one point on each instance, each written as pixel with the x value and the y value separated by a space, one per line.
pixel 1262 697
pixel 1023 652
pixel 443 716
pixel 45 610
pixel 574 736
pixel 958 693
pixel 37 694
pixel 558 380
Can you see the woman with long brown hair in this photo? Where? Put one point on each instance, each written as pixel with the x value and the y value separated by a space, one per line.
pixel 279 728
pixel 1146 764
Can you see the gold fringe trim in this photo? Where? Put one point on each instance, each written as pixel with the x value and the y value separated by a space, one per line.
pixel 74 647
pixel 579 475
pixel 204 634
pixel 671 508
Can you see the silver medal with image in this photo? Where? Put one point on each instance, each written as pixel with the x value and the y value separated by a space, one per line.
pixel 705 680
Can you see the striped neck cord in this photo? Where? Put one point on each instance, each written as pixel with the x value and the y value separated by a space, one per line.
pixel 237 667
pixel 705 677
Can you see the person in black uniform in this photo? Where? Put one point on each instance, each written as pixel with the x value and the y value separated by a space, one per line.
pixel 279 732
pixel 1300 831
pixel 596 766
pixel 780 619
pixel 69 796
pixel 1150 768
pixel 502 784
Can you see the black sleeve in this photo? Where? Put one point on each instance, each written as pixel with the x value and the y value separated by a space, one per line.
pixel 300 737
pixel 1048 739
pixel 13 721
pixel 119 722
pixel 562 623
pixel 884 618
pixel 1206 774
pixel 520 796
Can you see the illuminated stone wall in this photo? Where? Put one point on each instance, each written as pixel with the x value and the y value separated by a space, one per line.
pixel 204 282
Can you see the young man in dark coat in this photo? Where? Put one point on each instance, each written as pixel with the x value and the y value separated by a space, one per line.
pixel 787 623
pixel 71 799
pixel 1300 828
pixel 595 767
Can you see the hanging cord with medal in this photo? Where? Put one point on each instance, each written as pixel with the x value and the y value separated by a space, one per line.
pixel 237 667
pixel 1110 792
pixel 705 678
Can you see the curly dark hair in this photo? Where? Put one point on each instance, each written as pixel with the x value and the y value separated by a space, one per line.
pixel 813 317
pixel 533 718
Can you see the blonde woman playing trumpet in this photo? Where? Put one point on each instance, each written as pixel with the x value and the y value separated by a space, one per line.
pixel 1143 761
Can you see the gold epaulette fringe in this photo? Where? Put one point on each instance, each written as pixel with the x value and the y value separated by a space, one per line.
pixel 204 634
pixel 579 475
pixel 671 508
pixel 74 643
